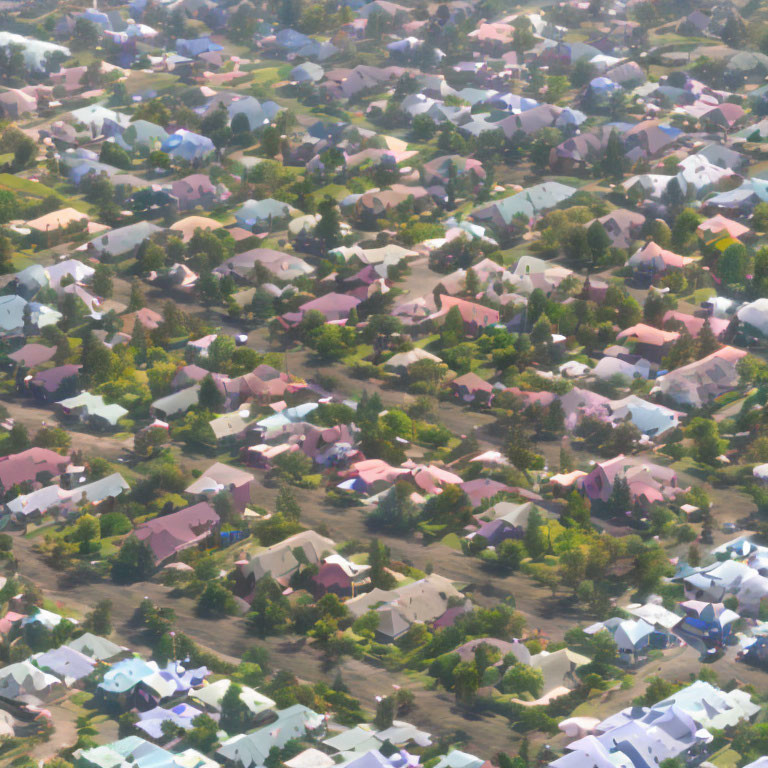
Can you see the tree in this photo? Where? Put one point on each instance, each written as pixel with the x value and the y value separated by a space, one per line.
pixel 102 281
pixel 378 559
pixel 523 38
pixel 732 264
pixel 54 438
pixel 620 500
pixel 706 341
pixel 270 141
pixel 134 561
pixel 423 127
pixel 216 600
pixel 613 161
pixel 86 531
pixel 533 538
pixel 521 678
pixel 136 300
pixel 220 352
pixel 286 504
pixel 708 444
pixel 113 154
pixel 209 396
pixel 85 35
pixel 99 620
pixel 328 229
pixel 598 240
pixel 17 440
pixel 150 257
pixel 582 72
pixel 466 681
pixel 235 715
pixel 270 609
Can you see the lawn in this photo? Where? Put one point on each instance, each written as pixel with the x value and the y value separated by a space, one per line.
pixel 725 758
pixel 336 191
pixel 40 191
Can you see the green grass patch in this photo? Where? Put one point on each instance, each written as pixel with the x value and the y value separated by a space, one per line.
pixel 452 540
pixel 336 191
pixel 726 758
pixel 266 75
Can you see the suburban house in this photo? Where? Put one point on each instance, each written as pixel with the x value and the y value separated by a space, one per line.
pixel 168 535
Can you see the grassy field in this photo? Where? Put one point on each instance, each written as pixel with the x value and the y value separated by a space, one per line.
pixel 40 191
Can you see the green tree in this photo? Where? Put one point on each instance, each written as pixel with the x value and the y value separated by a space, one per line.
pixel 286 504
pixel 708 444
pixel 134 561
pixel 613 161
pixel 99 620
pixel 534 538
pixel 209 396
pixel 235 715
pixel 378 559
pixel 521 678
pixel 328 229
pixel 598 240
pixel 732 264
pixel 466 681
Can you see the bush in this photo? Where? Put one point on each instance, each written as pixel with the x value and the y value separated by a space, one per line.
pixel 114 524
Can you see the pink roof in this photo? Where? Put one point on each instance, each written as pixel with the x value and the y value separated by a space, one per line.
pixel 720 223
pixel 472 382
pixel 470 312
pixel 373 470
pixel 647 334
pixel 27 465
pixel 7 622
pixel 694 324
pixel 651 253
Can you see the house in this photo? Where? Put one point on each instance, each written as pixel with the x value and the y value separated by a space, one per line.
pixel 257 212
pixel 281 563
pixel 676 727
pixel 33 505
pixel 700 382
pixel 504 520
pixel 65 663
pixel 23 679
pixel 210 697
pixel 476 317
pixel 439 170
pixel 124 242
pixel 648 483
pixel 168 535
pixel 195 189
pixel 35 465
pixel 421 601
pixel 706 624
pixel 621 226
pixel 177 403
pixel 341 576
pixel 527 205
pixel 14 103
pixel 55 383
pixel 655 260
pixel 222 477
pixel 188 146
pixel 335 307
pixel 141 136
pixel 470 388
pixel 400 362
pixel 90 408
pixel 284 266
pixel 56 220
pixel 646 341
pixel 250 750
pixel 632 636
pixel 97 648
pixel 32 355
